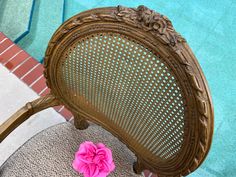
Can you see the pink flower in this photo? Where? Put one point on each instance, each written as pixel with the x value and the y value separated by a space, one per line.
pixel 93 160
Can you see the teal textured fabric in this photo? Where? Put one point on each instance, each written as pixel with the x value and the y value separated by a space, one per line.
pixel 210 29
pixel 46 18
pixel 9 10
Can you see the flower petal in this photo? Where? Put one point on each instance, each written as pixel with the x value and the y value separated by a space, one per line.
pixel 93 170
pixel 93 160
pixel 102 174
pixel 79 166
pixel 100 145
pixel 112 166
pixel 86 147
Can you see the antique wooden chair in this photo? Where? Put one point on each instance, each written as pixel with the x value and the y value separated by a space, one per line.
pixel 130 72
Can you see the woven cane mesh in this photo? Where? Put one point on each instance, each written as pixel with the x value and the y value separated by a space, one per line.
pixel 130 86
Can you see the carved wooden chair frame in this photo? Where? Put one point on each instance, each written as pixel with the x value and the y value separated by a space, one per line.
pixel 155 31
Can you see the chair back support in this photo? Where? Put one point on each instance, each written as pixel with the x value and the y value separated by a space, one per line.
pixel 129 71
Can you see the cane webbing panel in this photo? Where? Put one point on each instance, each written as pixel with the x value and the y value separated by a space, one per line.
pixel 130 85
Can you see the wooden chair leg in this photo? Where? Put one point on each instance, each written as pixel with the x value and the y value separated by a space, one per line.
pixel 80 123
pixel 138 167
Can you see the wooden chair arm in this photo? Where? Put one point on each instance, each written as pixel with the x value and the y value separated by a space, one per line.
pixel 25 112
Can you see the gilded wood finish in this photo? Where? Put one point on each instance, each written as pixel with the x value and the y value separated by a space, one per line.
pixel 156 33
pixel 79 122
pixel 25 112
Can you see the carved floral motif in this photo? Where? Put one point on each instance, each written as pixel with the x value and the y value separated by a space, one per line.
pixel 152 21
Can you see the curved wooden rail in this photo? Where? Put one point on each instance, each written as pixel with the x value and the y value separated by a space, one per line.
pixel 25 112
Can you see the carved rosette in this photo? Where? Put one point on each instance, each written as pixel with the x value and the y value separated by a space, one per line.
pixel 151 21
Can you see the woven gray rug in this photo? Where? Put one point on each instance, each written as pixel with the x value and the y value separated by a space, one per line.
pixel 51 152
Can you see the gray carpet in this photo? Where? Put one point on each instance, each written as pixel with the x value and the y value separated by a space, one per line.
pixel 51 152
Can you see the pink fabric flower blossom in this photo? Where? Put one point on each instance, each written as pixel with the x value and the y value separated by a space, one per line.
pixel 93 160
